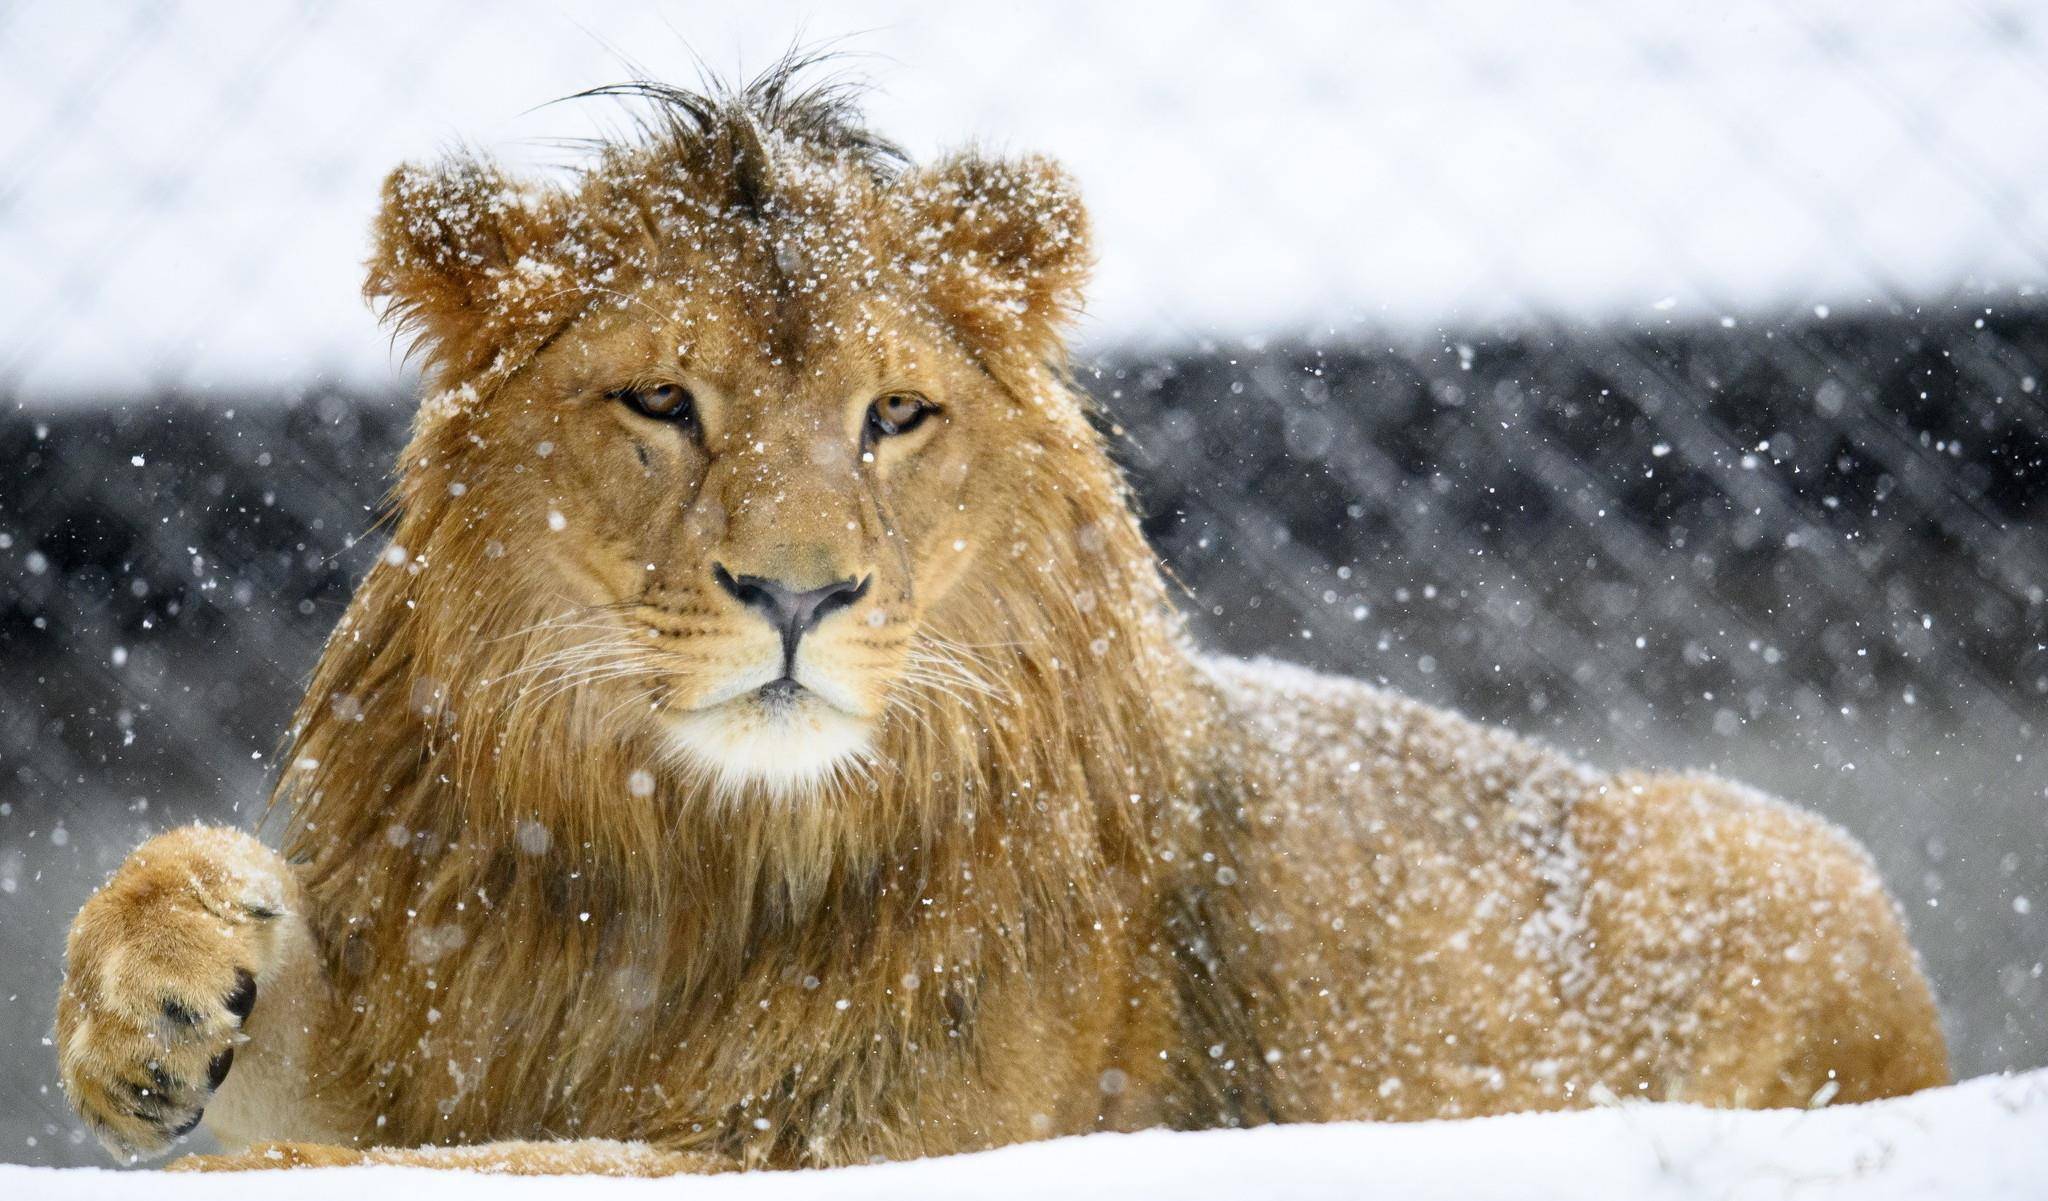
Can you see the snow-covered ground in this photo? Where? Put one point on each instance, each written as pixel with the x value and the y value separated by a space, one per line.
pixel 1986 1140
pixel 185 189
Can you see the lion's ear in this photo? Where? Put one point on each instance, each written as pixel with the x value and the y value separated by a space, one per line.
pixel 1003 244
pixel 453 242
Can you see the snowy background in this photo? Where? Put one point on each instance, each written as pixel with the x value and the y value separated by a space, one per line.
pixel 1663 379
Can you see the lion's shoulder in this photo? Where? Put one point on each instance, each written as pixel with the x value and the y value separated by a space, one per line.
pixel 1300 733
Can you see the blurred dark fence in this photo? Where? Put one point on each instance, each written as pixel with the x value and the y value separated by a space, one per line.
pixel 1809 553
pixel 1840 514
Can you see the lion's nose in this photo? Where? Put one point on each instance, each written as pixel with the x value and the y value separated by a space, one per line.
pixel 792 612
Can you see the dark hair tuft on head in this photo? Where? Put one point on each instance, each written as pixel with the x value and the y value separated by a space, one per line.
pixel 727 124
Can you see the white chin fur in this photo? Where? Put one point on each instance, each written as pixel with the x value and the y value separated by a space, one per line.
pixel 787 750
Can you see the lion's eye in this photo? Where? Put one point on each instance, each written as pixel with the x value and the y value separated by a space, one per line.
pixel 897 413
pixel 663 402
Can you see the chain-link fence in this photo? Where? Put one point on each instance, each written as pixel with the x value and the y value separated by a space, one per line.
pixel 1800 543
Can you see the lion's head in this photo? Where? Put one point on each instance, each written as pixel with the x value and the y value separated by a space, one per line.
pixel 749 475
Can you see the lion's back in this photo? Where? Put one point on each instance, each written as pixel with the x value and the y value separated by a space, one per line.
pixel 1450 919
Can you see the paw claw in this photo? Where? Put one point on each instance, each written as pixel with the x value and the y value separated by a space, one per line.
pixel 243 1000
pixel 217 1069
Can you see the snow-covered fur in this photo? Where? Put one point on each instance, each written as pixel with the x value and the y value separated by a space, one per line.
pixel 1002 857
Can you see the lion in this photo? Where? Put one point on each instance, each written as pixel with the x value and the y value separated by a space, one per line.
pixel 768 741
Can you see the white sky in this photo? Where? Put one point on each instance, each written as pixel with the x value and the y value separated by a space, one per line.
pixel 185 191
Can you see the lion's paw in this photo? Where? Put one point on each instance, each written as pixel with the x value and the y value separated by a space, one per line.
pixel 162 973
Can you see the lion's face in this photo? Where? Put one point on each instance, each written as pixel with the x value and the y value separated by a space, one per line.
pixel 752 535
pixel 726 468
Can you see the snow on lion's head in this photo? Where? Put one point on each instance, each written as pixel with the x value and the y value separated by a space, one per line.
pixel 748 481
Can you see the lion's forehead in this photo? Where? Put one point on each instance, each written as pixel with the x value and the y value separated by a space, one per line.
pixel 818 280
pixel 746 349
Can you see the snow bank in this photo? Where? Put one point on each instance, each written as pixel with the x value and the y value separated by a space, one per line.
pixel 1984 1140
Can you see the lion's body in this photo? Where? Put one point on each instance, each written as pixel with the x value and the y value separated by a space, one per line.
pixel 1451 921
pixel 1062 872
